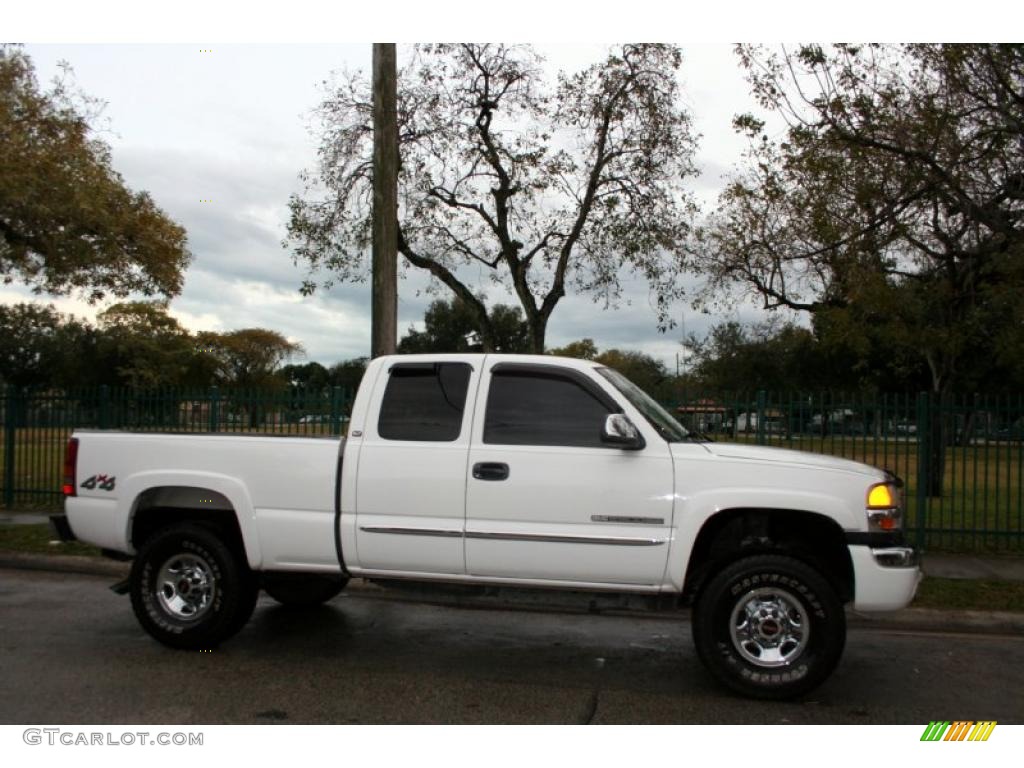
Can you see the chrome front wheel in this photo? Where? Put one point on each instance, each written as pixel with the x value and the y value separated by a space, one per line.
pixel 769 627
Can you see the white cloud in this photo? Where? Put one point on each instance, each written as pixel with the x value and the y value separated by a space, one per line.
pixel 230 127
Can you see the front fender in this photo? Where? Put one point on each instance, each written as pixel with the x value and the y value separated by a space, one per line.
pixel 693 512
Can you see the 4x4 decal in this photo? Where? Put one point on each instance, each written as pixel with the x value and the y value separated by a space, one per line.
pixel 102 482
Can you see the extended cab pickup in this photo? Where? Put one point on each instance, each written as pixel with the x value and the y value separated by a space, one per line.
pixel 507 470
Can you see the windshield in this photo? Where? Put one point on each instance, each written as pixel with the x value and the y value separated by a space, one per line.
pixel 670 429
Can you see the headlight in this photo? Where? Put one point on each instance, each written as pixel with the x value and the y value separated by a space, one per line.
pixel 883 507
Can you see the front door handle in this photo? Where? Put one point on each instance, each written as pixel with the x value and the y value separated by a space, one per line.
pixel 490 470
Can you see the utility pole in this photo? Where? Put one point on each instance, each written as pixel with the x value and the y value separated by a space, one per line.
pixel 384 309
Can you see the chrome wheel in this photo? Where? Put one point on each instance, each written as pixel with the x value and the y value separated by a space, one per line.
pixel 769 627
pixel 185 586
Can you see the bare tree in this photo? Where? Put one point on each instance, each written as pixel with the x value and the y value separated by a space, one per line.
pixel 544 189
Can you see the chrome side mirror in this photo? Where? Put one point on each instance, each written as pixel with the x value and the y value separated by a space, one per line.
pixel 622 433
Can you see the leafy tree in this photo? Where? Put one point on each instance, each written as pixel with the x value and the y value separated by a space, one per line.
pixel 67 220
pixel 584 349
pixel 781 357
pixel 895 196
pixel 249 358
pixel 453 327
pixel 893 203
pixel 348 374
pixel 40 347
pixel 543 189
pixel 144 347
pixel 312 376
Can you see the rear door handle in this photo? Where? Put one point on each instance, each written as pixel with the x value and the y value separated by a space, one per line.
pixel 490 470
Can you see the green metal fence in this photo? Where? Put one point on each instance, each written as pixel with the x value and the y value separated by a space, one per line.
pixel 961 457
pixel 36 425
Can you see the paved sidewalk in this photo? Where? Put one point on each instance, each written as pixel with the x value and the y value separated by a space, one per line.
pixel 23 518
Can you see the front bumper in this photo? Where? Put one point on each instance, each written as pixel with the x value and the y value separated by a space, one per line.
pixel 885 570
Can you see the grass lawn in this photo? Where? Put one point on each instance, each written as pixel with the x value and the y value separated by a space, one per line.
pixel 36 539
pixel 970 595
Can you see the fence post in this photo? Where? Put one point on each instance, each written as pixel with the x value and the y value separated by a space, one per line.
pixel 10 425
pixel 104 406
pixel 923 429
pixel 214 410
pixel 336 410
pixel 760 416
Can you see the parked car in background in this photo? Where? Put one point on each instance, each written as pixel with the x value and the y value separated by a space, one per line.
pixel 321 418
pixel 904 427
pixel 774 422
pixel 841 421
pixel 1013 433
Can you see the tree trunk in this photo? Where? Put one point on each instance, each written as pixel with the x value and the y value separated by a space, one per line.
pixel 538 326
pixel 937 429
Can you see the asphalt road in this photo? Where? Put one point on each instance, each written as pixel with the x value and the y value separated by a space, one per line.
pixel 71 652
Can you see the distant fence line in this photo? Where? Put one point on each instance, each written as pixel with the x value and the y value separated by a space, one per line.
pixel 961 457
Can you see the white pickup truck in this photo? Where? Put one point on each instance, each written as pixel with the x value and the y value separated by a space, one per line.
pixel 504 470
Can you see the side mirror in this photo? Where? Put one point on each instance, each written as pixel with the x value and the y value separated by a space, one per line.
pixel 622 433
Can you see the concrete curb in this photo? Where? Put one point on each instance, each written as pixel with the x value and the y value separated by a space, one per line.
pixel 935 620
pixel 90 566
pixel 907 620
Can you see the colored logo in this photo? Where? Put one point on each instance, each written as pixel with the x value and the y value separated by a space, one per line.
pixel 958 730
pixel 102 482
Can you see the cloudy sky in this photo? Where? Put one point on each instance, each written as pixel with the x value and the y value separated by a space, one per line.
pixel 230 126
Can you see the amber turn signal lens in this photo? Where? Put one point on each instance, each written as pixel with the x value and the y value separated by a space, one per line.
pixel 881 497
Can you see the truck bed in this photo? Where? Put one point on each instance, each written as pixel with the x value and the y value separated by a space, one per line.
pixel 282 488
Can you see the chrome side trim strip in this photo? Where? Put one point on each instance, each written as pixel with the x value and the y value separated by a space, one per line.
pixel 627 519
pixel 565 539
pixel 554 538
pixel 410 531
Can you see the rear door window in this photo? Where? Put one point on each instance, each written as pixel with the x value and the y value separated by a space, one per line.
pixel 424 402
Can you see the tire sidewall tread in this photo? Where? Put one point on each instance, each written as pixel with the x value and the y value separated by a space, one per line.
pixel 713 609
pixel 233 599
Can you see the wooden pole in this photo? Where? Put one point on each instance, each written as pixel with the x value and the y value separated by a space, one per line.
pixel 384 309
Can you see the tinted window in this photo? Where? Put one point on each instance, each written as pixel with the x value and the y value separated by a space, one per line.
pixel 424 402
pixel 530 408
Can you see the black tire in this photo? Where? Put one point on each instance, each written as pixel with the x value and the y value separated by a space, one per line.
pixel 769 627
pixel 302 590
pixel 189 589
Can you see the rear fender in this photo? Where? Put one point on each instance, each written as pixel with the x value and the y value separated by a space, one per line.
pixel 231 489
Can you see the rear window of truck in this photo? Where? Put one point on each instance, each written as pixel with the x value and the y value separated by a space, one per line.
pixel 424 402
